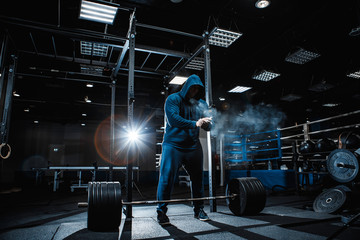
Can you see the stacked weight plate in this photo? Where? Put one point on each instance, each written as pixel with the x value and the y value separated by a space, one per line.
pixel 343 165
pixel 251 196
pixel 104 206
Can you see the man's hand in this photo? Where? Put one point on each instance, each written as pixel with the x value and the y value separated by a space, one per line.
pixel 202 122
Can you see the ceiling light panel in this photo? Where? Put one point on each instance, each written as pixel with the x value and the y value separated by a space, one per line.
pixel 331 104
pixel 93 70
pixel 265 75
pixel 94 49
pixel 301 56
pixel 196 64
pixel 354 75
pixel 178 80
pixel 239 89
pixel 223 38
pixel 97 12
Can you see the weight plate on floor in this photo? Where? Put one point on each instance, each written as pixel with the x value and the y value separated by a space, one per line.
pixel 104 206
pixel 251 196
pixel 259 200
pixel 330 201
pixel 342 165
pixel 91 219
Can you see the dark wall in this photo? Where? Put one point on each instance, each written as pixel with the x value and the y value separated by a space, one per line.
pixel 55 144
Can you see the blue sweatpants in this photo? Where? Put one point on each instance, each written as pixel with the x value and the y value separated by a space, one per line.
pixel 171 160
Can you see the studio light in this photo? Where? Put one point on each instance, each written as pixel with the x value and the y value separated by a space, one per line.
pixel 239 89
pixel 89 85
pixel 93 49
pixel 265 76
pixel 133 136
pixel 178 80
pixel 262 3
pixel 15 94
pixel 223 38
pixel 354 75
pixel 97 12
pixel 301 56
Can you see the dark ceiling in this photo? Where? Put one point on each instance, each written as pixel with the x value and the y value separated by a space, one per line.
pixel 45 37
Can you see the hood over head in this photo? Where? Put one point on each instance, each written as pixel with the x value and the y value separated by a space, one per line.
pixel 191 81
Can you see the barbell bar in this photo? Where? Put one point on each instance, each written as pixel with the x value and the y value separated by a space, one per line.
pixel 85 204
pixel 244 196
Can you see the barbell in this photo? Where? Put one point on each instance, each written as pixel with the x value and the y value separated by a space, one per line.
pixel 244 196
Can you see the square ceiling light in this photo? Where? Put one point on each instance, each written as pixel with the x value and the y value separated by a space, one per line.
pixel 239 89
pixel 93 70
pixel 178 80
pixel 301 56
pixel 97 12
pixel 223 38
pixel 265 76
pixel 94 49
pixel 331 104
pixel 196 64
pixel 354 75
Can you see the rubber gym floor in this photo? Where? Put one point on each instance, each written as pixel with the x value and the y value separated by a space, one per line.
pixel 39 213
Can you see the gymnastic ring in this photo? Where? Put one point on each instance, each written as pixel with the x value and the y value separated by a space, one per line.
pixel 9 152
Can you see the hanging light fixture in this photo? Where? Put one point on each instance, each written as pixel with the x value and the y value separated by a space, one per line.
pixel 223 38
pixel 97 12
pixel 262 3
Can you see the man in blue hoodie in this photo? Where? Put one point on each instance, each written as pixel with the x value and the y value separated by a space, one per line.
pixel 185 113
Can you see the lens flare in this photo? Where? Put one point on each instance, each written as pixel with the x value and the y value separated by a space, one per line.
pixel 132 144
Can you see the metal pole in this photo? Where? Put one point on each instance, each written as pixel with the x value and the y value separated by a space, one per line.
pixel 2 68
pixel 222 161
pixel 5 123
pixel 131 100
pixel 112 126
pixel 208 97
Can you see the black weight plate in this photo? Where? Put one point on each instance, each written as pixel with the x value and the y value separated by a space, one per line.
pixel 259 201
pixel 233 203
pixel 94 209
pixel 256 196
pixel 90 211
pixel 251 196
pixel 330 201
pixel 113 205
pixel 342 165
pixel 105 214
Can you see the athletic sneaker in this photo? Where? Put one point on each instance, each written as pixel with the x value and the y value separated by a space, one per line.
pixel 162 218
pixel 201 215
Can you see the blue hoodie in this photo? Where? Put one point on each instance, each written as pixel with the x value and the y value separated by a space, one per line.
pixel 181 115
